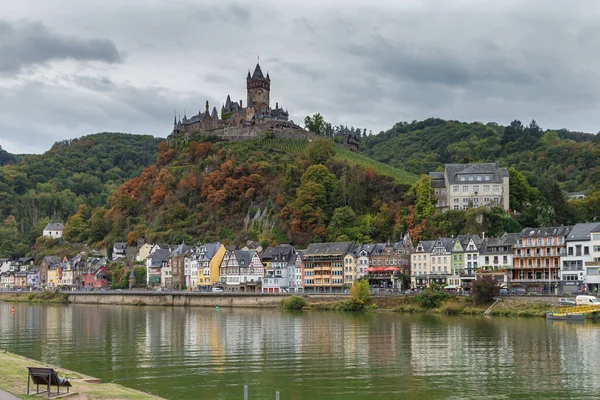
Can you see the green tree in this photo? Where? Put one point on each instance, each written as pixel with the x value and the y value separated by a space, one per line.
pixel 342 220
pixel 484 289
pixel 320 150
pixel 360 293
pixel 425 197
pixel 315 124
pixel 140 275
pixel 97 226
pixel 76 229
pixel 10 239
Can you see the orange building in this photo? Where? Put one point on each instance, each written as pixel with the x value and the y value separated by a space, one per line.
pixel 536 258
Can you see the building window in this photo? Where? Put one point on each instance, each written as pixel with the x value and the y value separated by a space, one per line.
pixel 443 192
pixel 470 178
pixel 456 201
pixel 478 177
pixel 465 188
pixel 487 178
pixel 486 188
pixel 462 178
pixel 455 188
pixel 476 188
pixel 456 207
pixel 465 200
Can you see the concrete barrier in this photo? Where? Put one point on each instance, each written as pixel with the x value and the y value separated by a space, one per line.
pixel 193 299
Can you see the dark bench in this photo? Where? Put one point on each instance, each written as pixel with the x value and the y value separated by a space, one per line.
pixel 47 377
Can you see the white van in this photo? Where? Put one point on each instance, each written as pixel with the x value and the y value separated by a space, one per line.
pixel 587 301
pixel 217 290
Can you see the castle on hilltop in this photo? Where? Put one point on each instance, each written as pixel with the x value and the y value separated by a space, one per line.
pixel 257 117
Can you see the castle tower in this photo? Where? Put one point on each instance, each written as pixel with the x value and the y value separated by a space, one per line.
pixel 258 88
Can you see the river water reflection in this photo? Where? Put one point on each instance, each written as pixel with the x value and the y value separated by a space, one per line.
pixel 200 353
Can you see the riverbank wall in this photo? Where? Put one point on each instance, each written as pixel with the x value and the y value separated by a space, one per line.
pixel 248 300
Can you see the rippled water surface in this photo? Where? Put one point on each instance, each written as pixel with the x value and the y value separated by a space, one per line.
pixel 199 353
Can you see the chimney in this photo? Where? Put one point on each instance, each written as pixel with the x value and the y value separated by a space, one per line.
pixel 241 106
pixel 276 105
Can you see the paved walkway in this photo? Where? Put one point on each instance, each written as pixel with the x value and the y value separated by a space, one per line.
pixel 6 396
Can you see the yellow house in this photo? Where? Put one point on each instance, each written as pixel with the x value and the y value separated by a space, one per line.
pixel 52 277
pixel 209 261
pixel 144 252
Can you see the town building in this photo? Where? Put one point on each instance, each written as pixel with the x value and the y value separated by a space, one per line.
pixel 496 257
pixel 463 186
pixel 33 278
pixel 242 271
pixel 53 230
pixel 209 264
pixel 95 277
pixel 323 267
pixel 119 251
pixel 536 259
pixel 280 269
pixel 578 253
pixel 470 251
pixel 155 263
pixel 177 266
pixel 7 280
pixel 592 268
pixel 48 262
pixel 143 252
pixel 389 261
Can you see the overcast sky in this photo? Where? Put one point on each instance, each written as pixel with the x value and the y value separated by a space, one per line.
pixel 70 68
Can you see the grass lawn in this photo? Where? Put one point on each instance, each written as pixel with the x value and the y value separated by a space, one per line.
pixel 14 380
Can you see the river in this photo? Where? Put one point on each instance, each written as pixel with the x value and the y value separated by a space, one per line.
pixel 202 353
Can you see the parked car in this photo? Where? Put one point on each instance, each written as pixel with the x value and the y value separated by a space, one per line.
pixel 519 291
pixel 217 290
pixel 565 301
pixel 503 292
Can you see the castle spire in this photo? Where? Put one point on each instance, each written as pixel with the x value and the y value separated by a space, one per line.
pixel 248 77
pixel 207 113
pixel 174 117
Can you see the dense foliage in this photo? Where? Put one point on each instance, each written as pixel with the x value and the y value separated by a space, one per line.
pixel 545 164
pixel 233 192
pixel 484 289
pixel 54 185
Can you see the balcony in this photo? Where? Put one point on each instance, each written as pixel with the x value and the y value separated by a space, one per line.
pixel 526 280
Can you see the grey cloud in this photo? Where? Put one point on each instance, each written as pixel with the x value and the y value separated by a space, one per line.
pixel 26 43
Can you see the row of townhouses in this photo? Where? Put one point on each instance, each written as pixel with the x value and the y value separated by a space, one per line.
pixel 561 259
pixel 54 272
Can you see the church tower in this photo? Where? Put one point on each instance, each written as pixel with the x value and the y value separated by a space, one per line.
pixel 259 89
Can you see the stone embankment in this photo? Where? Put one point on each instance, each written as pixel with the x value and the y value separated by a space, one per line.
pixel 147 298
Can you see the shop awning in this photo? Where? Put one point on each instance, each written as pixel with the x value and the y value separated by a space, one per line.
pixel 450 287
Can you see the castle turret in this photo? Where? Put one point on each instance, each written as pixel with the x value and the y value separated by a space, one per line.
pixel 258 89
pixel 214 113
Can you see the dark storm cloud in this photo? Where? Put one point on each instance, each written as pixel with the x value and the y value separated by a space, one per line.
pixel 26 43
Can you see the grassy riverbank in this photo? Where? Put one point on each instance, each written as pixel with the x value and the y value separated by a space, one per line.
pixel 452 305
pixel 35 297
pixel 14 380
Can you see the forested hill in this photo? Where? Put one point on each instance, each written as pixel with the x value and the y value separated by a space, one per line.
pixel 6 157
pixel 37 188
pixel 271 190
pixel 571 159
